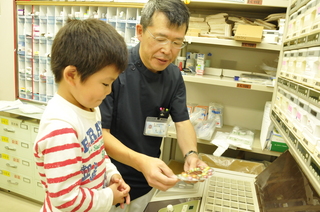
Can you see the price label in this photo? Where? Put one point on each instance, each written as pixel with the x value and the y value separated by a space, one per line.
pixel 4 139
pixel 259 2
pixel 5 121
pixel 240 85
pixel 250 45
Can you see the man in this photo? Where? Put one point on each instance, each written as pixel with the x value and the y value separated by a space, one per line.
pixel 150 83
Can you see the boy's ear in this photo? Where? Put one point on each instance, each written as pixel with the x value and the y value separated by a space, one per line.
pixel 70 74
pixel 139 31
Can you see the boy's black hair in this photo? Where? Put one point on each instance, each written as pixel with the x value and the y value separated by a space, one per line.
pixel 175 10
pixel 89 45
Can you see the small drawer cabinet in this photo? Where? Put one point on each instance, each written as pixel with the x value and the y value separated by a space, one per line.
pixel 17 167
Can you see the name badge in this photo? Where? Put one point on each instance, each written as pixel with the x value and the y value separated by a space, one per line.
pixel 155 126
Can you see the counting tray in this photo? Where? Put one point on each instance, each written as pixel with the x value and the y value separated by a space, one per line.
pixel 229 191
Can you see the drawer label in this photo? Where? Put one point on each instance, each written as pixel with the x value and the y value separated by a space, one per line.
pixel 5 173
pixel 17 160
pixel 4 121
pixel 4 139
pixel 4 156
pixel 15 124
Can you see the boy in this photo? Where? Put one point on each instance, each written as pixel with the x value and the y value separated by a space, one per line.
pixel 77 174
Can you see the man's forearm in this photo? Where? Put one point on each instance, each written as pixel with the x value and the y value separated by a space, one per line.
pixel 120 152
pixel 186 137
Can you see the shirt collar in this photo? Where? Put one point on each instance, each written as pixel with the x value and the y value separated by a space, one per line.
pixel 136 59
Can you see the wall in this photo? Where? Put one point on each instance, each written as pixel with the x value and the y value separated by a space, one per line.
pixel 7 85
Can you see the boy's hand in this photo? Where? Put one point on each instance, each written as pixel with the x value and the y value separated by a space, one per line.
pixel 120 190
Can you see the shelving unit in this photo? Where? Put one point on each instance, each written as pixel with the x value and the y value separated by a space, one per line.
pixel 256 147
pixel 37 84
pixel 37 24
pixel 232 43
pixel 242 5
pixel 295 106
pixel 227 82
pixel 243 102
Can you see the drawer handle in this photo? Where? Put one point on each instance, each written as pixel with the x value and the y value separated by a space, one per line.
pixel 10 148
pixel 12 166
pixel 8 130
pixel 14 183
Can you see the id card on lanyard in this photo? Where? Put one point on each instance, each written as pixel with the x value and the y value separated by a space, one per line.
pixel 157 126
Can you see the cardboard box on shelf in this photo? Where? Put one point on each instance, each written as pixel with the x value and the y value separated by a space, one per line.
pixel 278 146
pixel 249 33
pixel 200 64
pixel 193 32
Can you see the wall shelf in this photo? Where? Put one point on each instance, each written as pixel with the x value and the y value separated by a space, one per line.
pixel 227 82
pixel 256 147
pixel 82 3
pixel 273 6
pixel 232 43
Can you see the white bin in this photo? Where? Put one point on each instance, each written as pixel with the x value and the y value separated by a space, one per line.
pixel 301 61
pixel 312 68
pixel 309 17
pixel 299 22
pixel 292 62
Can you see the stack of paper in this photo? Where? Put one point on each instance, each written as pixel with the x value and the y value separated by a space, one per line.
pixel 198 24
pixel 192 18
pixel 218 25
pixel 265 24
pixel 221 24
pixel 275 17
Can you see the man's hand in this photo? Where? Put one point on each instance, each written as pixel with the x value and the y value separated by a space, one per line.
pixel 158 174
pixel 193 161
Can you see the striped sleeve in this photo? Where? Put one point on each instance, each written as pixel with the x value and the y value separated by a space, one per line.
pixel 59 159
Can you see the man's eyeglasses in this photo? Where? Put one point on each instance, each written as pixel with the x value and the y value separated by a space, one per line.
pixel 163 41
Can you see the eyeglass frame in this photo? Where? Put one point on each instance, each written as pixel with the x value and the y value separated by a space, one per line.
pixel 167 41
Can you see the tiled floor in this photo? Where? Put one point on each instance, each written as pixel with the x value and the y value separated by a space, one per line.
pixel 13 203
